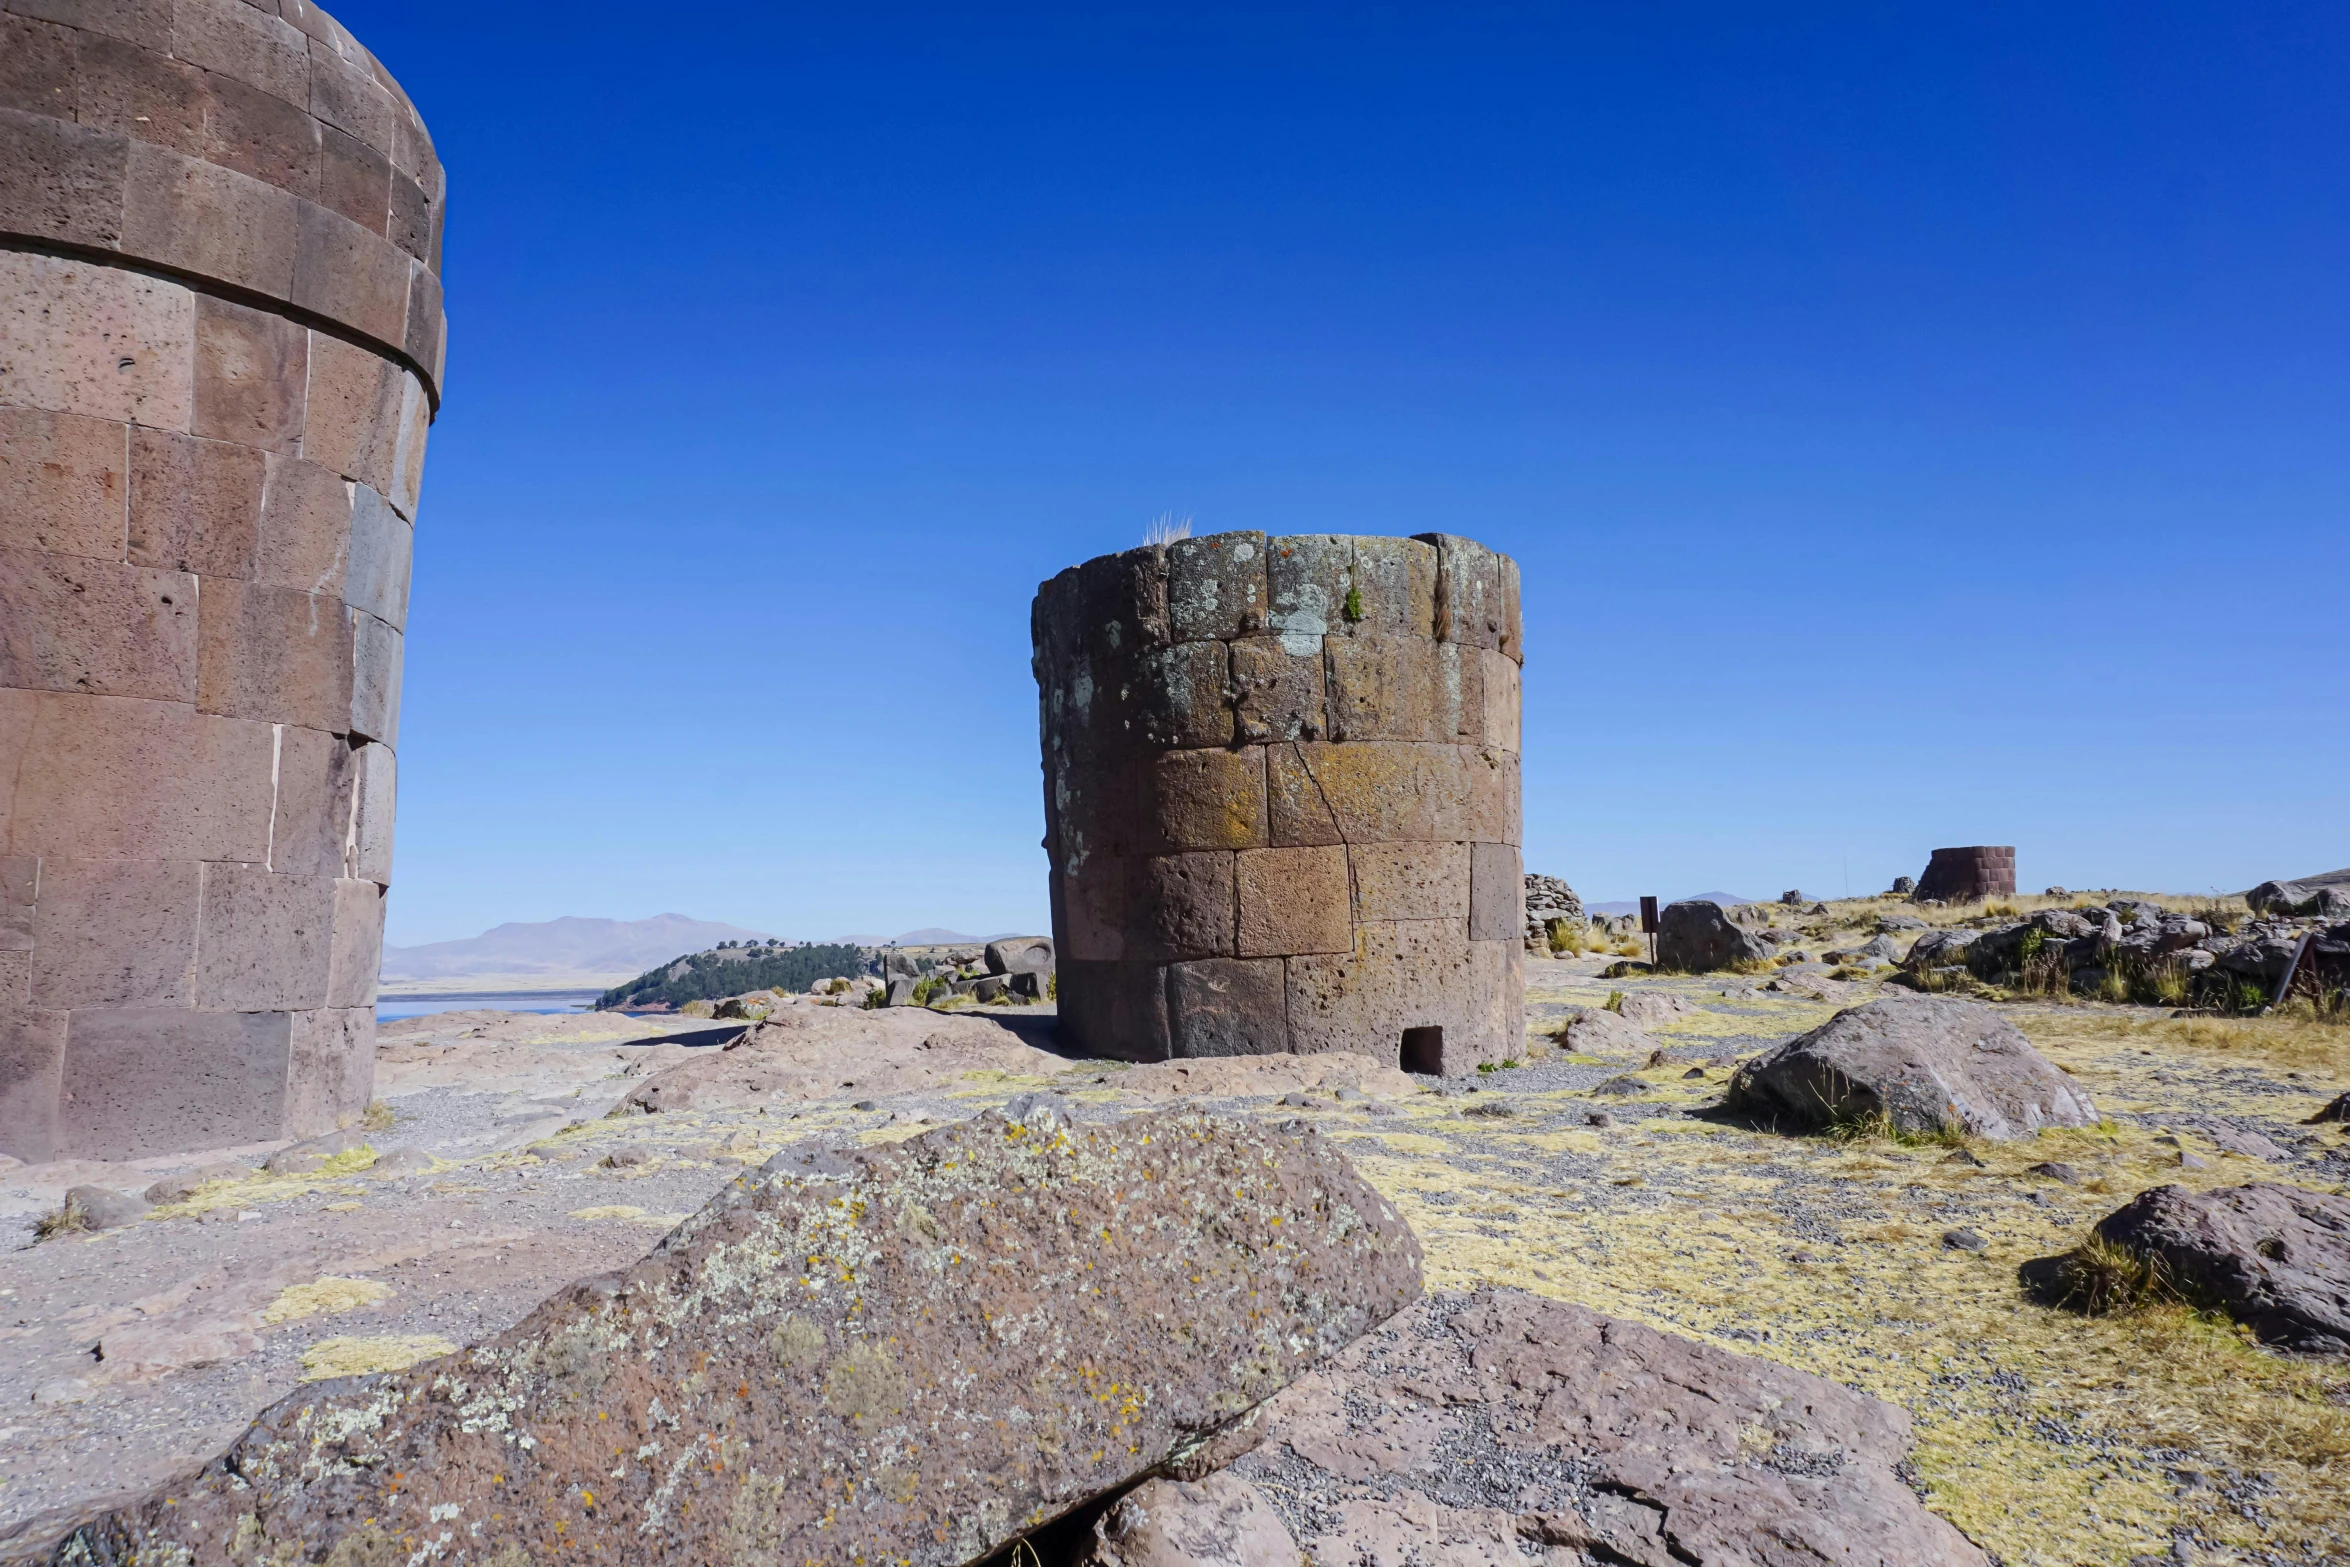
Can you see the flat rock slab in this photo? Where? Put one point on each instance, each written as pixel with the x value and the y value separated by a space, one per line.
pixel 816 1052
pixel 2277 1258
pixel 908 1354
pixel 1929 1064
pixel 1503 1426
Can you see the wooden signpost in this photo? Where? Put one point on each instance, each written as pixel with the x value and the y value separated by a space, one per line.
pixel 1648 925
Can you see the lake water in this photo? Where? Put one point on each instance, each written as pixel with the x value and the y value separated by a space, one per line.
pixel 392 1008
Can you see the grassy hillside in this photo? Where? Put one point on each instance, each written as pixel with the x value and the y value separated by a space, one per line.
pixel 729 971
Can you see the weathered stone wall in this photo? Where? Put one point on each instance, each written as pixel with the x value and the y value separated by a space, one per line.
pixel 1281 798
pixel 220 347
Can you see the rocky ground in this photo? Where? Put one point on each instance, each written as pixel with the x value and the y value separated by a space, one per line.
pixel 1600 1177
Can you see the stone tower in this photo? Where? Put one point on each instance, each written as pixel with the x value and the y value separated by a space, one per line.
pixel 220 347
pixel 1281 798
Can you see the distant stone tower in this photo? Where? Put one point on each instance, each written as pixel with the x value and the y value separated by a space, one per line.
pixel 220 347
pixel 1963 875
pixel 1281 798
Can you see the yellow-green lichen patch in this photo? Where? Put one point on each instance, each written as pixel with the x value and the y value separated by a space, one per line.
pixel 324 1296
pixel 356 1356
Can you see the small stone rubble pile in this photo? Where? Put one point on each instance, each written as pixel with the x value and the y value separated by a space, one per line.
pixel 1548 899
pixel 2134 941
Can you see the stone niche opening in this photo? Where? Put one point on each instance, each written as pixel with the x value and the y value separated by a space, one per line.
pixel 1282 798
pixel 1423 1051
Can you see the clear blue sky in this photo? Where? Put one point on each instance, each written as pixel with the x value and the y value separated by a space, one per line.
pixel 1915 425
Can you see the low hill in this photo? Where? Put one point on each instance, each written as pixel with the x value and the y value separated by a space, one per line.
pixel 729 971
pixel 550 954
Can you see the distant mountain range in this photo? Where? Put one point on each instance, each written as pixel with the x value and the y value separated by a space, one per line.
pixel 560 954
pixel 586 954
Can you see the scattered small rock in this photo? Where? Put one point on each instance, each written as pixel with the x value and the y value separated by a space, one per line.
pixel 1348 1094
pixel 1964 1156
pixel 1296 1101
pixel 396 1163
pixel 2055 1170
pixel 2336 1109
pixel 306 1158
pixel 2188 1161
pixel 1695 1071
pixel 1598 1118
pixel 1963 1239
pixel 626 1157
pixel 179 1188
pixel 1622 1085
pixel 866 1104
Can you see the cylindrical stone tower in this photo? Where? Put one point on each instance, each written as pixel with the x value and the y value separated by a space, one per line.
pixel 220 347
pixel 1963 875
pixel 1281 798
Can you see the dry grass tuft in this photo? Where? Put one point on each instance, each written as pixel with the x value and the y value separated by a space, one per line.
pixel 324 1296
pixel 2098 1278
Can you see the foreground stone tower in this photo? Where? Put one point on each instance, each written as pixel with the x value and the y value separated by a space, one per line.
pixel 1281 798
pixel 220 347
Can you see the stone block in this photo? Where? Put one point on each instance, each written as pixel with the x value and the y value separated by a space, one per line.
pixel 195 505
pixel 1456 695
pixel 305 534
pixel 1090 894
pixel 1410 975
pixel 1297 813
pixel 1502 682
pixel 330 1074
pixel 408 448
pixel 1293 900
pixel 1473 598
pixel 1383 687
pixel 148 1080
pixel 265 941
pixel 59 180
pixel 382 544
pixel 1492 813
pixel 1227 1007
pixel 184 212
pixel 358 944
pixel 426 323
pixel 1092 811
pixel 350 275
pixel 368 853
pixel 80 338
pixel 1410 881
pixel 140 94
pixel 146 23
pixel 1395 586
pixel 1185 700
pixel 252 373
pixel 410 227
pixel 354 179
pixel 16 979
pixel 37 69
pixel 239 41
pixel 32 1075
pixel 1181 907
pixel 1308 575
pixel 1209 799
pixel 20 880
pixel 354 420
pixel 1497 893
pixel 1277 695
pixel 1377 792
pixel 96 626
pixel 63 484
pixel 255 133
pixel 1218 587
pixel 318 779
pixel 1113 1010
pixel 115 933
pixel 375 680
pixel 123 778
pixel 347 98
pixel 278 655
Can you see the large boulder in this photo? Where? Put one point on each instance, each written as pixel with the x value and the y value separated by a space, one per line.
pixel 1218 1521
pixel 2276 1258
pixel 908 1354
pixel 1020 955
pixel 2325 894
pixel 1697 936
pixel 1928 1064
pixel 1503 1427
